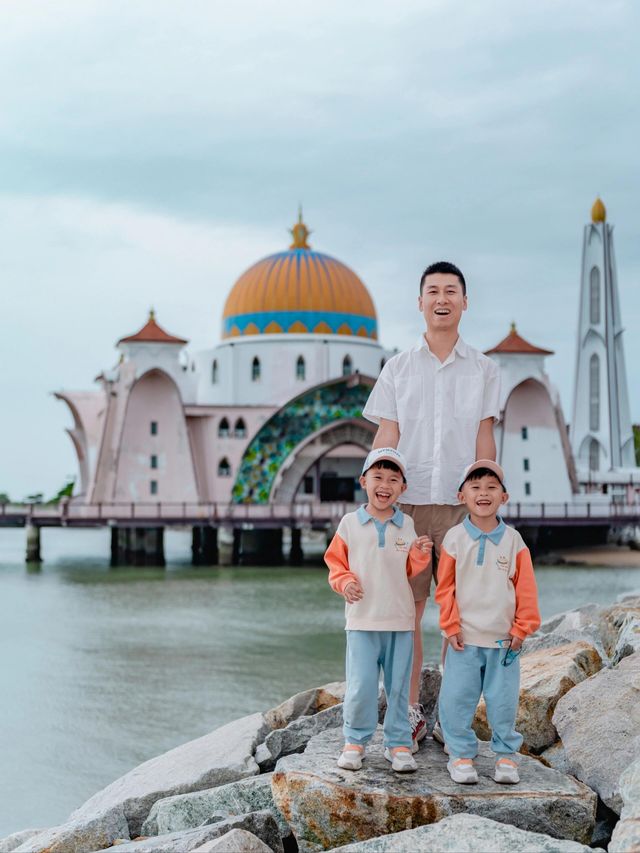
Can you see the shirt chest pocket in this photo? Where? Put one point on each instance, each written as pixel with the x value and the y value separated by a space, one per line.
pixel 468 397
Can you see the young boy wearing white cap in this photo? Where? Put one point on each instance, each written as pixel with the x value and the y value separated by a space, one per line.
pixel 370 560
pixel 488 605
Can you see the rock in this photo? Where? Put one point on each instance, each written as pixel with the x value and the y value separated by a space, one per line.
pixel 556 757
pixel 296 735
pixel 187 811
pixel 545 676
pixel 465 833
pixel 16 839
pixel 81 835
pixel 626 835
pixel 615 619
pixel 599 724
pixel 224 755
pixel 236 841
pixel 260 824
pixel 575 620
pixel 430 680
pixel 630 597
pixel 306 704
pixel 628 639
pixel 584 623
pixel 326 806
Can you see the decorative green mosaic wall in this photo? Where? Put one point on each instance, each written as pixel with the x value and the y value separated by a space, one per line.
pixel 290 426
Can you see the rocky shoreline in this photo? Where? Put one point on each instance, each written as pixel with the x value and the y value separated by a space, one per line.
pixel 269 781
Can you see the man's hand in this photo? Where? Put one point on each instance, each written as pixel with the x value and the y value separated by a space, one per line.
pixel 353 592
pixel 456 642
pixel 423 544
pixel 516 643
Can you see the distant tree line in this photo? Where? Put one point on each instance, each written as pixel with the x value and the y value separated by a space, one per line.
pixel 38 497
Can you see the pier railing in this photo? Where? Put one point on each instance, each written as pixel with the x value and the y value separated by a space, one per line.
pixel 301 514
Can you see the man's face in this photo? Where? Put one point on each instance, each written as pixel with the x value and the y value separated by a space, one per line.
pixel 442 301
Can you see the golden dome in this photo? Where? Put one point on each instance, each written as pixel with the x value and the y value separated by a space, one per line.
pixel 299 291
pixel 598 211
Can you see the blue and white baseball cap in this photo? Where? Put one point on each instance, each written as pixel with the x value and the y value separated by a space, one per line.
pixel 389 453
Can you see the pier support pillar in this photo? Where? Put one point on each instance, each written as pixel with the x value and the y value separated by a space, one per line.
pixel 33 544
pixel 204 546
pixel 137 546
pixel 296 555
pixel 262 547
pixel 229 546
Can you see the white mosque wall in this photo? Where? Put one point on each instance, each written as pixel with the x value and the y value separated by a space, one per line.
pixel 276 377
pixel 171 358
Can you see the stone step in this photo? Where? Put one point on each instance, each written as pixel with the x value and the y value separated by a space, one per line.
pixel 327 807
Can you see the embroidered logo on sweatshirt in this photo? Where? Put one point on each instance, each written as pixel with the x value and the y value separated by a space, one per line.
pixel 503 563
pixel 401 544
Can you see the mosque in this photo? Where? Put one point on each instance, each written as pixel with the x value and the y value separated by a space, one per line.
pixel 273 413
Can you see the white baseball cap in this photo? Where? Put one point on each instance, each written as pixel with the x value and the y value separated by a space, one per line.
pixel 389 453
pixel 484 463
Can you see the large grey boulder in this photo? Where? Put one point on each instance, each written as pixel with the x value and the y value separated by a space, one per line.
pixel 296 735
pixel 599 725
pixel 465 834
pixel 187 811
pixel 626 835
pixel 628 642
pixel 260 824
pixel 545 676
pixel 11 842
pixel 326 806
pixel 81 835
pixel 306 704
pixel 620 618
pixel 584 623
pixel 224 755
pixel 236 841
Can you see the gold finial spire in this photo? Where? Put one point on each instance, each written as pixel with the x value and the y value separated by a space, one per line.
pixel 299 232
pixel 513 328
pixel 152 314
pixel 598 211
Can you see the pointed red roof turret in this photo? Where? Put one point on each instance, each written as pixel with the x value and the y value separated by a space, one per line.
pixel 152 333
pixel 513 343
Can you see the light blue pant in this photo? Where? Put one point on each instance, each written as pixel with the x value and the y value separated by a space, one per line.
pixel 467 675
pixel 367 652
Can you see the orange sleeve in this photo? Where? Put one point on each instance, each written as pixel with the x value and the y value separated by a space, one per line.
pixel 337 559
pixel 527 618
pixel 446 594
pixel 417 561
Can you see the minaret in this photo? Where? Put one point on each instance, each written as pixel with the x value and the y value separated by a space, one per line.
pixel 601 434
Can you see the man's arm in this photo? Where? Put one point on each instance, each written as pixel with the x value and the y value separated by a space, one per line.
pixel 485 440
pixel 388 435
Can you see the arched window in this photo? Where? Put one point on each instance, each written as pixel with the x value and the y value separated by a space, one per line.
pixel 240 429
pixel 301 369
pixel 223 428
pixel 594 392
pixel 347 366
pixel 224 469
pixel 594 455
pixel 214 371
pixel 255 369
pixel 594 296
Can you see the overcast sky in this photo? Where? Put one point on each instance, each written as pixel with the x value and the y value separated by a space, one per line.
pixel 151 151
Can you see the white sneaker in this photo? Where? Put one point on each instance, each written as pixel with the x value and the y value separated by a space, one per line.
pixel 418 722
pixel 462 771
pixel 438 736
pixel 351 757
pixel 401 761
pixel 506 772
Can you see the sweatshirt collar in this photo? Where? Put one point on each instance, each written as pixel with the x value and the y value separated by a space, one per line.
pixel 364 516
pixel 494 536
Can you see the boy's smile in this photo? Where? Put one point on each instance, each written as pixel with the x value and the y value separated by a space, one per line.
pixel 483 497
pixel 383 488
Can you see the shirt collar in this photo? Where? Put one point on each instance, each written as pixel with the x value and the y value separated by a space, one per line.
pixel 364 516
pixel 494 536
pixel 460 347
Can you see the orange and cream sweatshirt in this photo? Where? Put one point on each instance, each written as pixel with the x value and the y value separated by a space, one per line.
pixel 380 555
pixel 486 585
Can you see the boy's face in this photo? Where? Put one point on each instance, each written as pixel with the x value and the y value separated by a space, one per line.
pixel 483 496
pixel 442 301
pixel 383 486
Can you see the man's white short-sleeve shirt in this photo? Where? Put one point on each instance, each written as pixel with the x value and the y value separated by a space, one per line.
pixel 438 407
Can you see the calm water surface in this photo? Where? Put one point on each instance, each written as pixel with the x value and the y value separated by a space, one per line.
pixel 102 668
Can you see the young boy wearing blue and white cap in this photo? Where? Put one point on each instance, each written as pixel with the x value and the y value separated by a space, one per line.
pixel 370 560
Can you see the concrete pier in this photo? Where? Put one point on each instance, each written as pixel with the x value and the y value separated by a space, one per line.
pixel 229 546
pixel 262 547
pixel 204 546
pixel 296 555
pixel 137 546
pixel 33 544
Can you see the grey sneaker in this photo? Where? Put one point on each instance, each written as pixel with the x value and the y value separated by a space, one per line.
pixel 417 722
pixel 506 771
pixel 401 760
pixel 462 771
pixel 351 757
pixel 438 736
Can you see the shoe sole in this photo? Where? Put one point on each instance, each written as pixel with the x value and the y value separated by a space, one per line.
pixel 503 780
pixel 464 781
pixel 403 769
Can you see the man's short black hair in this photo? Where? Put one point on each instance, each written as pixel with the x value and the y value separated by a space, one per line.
pixel 447 269
pixel 478 474
pixel 389 465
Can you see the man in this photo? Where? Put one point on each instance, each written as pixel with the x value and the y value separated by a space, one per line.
pixel 436 403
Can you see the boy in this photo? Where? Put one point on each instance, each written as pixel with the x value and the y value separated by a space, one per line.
pixel 370 559
pixel 488 605
pixel 437 403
